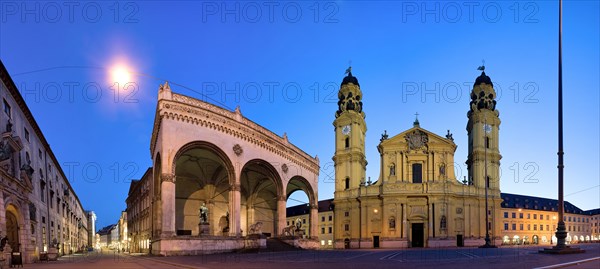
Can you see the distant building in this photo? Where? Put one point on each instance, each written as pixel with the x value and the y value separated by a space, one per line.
pixel 325 224
pixel 532 220
pixel 109 236
pixel 123 241
pixel 91 225
pixel 138 213
pixel 40 208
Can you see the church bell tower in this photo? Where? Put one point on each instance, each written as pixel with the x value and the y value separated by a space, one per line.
pixel 483 127
pixel 350 129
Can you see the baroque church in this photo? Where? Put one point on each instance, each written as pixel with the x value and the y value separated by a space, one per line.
pixel 416 201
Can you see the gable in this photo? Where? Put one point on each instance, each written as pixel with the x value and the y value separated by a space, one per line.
pixel 417 138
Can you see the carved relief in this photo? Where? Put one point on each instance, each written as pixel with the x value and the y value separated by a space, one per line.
pixel 459 210
pixel 284 168
pixel 237 149
pixel 168 177
pixel 417 139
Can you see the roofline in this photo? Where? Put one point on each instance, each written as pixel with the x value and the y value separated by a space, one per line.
pixel 12 88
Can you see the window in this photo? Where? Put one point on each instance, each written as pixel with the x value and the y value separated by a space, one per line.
pixel 346 214
pixel 514 215
pixel 505 215
pixel 347 183
pixel 330 229
pixel 6 108
pixel 329 242
pixel 547 217
pixel 304 221
pixel 487 182
pixel 26 134
pixel 514 226
pixel 520 215
pixel 42 190
pixel 534 216
pixel 541 227
pixel 346 227
pixel 505 226
pixel 322 230
pixel 528 216
pixel 417 170
pixel 322 242
pixel 487 142
pixel 322 218
pixel 521 226
pixel 40 153
pixel 535 227
pixel 528 227
pixel 330 217
pixel 347 142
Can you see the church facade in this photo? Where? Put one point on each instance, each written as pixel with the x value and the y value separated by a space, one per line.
pixel 416 201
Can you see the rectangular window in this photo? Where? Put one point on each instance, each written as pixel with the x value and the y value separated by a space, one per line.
pixel 346 214
pixel 322 242
pixel 304 221
pixel 505 226
pixel 323 230
pixel 329 242
pixel 514 215
pixel 520 215
pixel 487 142
pixel 505 215
pixel 417 170
pixel 514 226
pixel 42 190
pixel 7 108
pixel 330 229
pixel 322 218
pixel 547 217
pixel 541 227
pixel 535 227
pixel 521 226
pixel 534 216
pixel 528 216
pixel 346 227
pixel 347 183
pixel 528 227
pixel 26 134
pixel 330 217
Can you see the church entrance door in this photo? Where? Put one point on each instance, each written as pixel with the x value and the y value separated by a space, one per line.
pixel 417 235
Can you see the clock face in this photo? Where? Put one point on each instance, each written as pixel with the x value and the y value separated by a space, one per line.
pixel 487 128
pixel 346 130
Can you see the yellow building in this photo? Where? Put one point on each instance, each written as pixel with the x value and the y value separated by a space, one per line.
pixel 325 230
pixel 416 201
pixel 533 220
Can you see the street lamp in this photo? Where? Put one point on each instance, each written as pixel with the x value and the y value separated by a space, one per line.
pixel 561 231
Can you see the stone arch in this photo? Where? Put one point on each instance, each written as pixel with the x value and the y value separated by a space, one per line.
pixel 299 183
pixel 203 175
pixel 14 226
pixel 261 187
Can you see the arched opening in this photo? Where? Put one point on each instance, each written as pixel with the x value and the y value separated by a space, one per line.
pixel 12 228
pixel 260 188
pixel 203 176
pixel 300 197
pixel 535 240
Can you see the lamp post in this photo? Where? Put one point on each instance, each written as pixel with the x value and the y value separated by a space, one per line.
pixel 561 231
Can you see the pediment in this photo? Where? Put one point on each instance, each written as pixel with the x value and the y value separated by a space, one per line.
pixel 417 138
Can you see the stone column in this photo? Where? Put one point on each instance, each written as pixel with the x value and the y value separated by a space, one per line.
pixel 281 215
pixel 234 210
pixel 314 222
pixel 168 205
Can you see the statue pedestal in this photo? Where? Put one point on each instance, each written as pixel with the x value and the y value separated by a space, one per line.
pixel 203 229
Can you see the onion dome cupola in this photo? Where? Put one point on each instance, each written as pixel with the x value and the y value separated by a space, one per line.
pixel 483 95
pixel 350 95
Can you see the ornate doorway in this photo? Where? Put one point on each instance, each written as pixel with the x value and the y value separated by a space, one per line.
pixel 417 235
pixel 12 230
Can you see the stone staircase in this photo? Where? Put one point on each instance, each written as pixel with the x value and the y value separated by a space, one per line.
pixel 273 245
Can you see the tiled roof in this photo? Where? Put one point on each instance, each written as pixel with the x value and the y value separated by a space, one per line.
pixel 537 203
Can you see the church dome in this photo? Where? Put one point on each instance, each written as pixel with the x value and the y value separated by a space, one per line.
pixel 483 78
pixel 350 79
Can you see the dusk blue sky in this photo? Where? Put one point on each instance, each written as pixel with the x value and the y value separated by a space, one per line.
pixel 283 67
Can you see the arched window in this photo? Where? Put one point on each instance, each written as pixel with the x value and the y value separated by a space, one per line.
pixel 347 183
pixel 347 143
